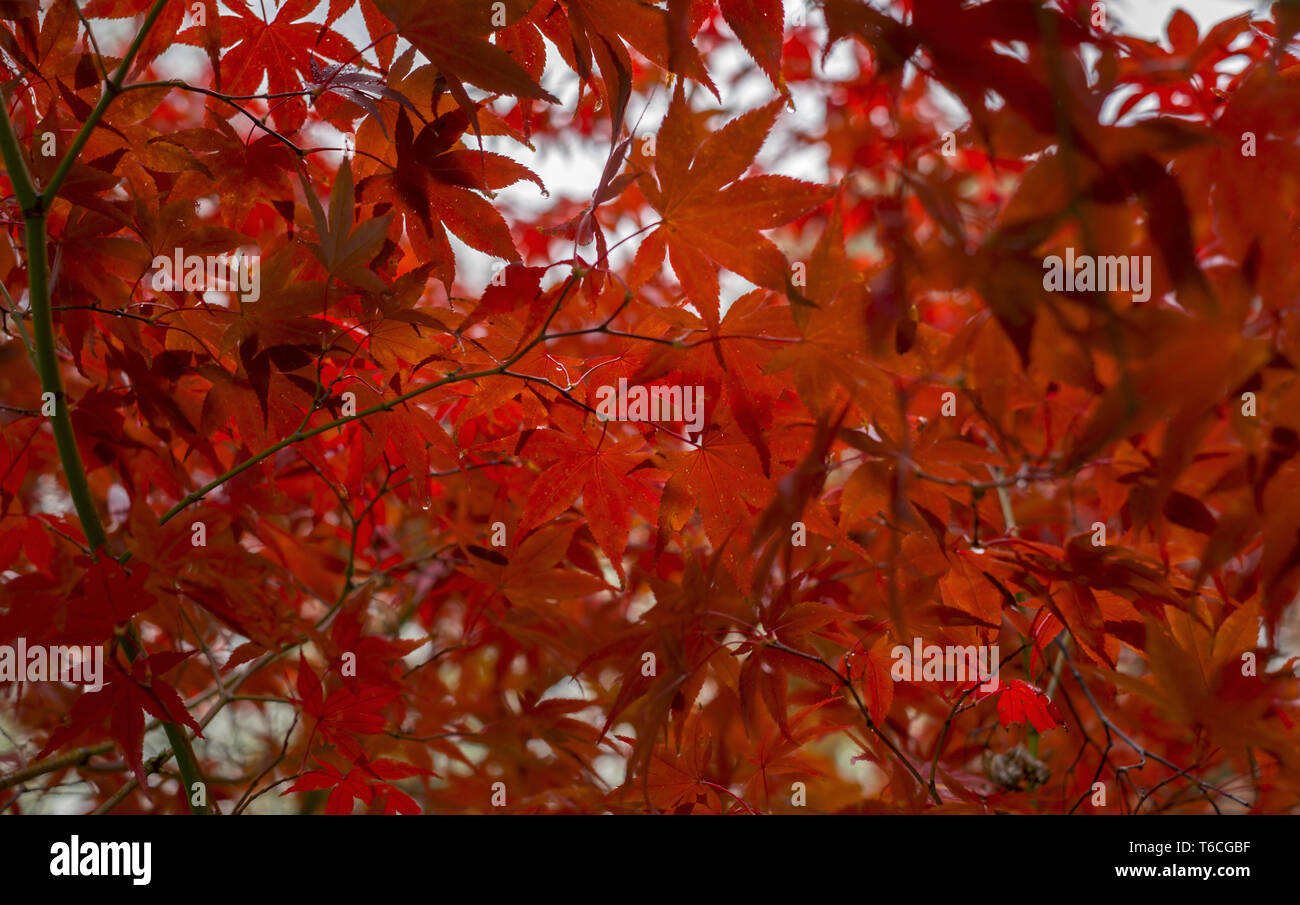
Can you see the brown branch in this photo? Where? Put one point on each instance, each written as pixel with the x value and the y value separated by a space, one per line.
pixel 871 724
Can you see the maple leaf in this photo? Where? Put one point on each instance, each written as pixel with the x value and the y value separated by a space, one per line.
pixel 277 52
pixel 344 250
pixel 109 596
pixel 602 476
pixel 346 712
pixel 605 26
pixel 366 781
pixel 356 86
pixel 1020 702
pixel 122 703
pixel 345 788
pixel 1178 77
pixel 453 35
pixel 680 784
pixel 531 573
pixel 872 670
pixel 723 478
pixel 431 183
pixel 760 26
pixel 713 215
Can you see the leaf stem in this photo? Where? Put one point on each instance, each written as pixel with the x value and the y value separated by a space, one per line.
pixel 47 366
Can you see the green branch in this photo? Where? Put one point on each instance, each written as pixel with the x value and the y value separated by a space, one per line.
pixel 15 165
pixel 35 204
pixel 47 366
pixel 112 88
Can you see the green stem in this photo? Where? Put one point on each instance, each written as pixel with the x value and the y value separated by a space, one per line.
pixel 112 88
pixel 15 165
pixel 176 735
pixel 47 366
pixel 34 205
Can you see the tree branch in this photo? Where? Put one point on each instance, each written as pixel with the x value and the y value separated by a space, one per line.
pixel 862 709
pixel 51 764
pixel 112 88
pixel 35 204
pixel 299 435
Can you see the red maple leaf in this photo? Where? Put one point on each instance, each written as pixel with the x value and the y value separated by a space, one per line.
pixel 123 701
pixel 279 51
pixel 1020 702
